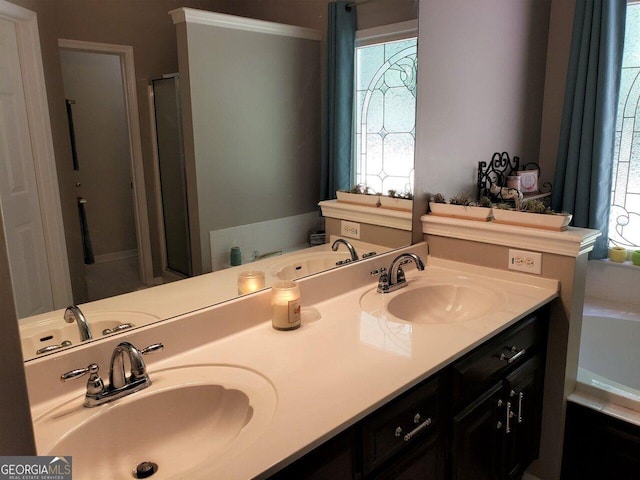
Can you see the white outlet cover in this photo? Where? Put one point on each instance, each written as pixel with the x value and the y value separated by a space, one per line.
pixel 350 229
pixel 524 261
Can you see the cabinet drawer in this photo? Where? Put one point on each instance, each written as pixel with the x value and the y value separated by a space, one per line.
pixel 402 422
pixel 496 357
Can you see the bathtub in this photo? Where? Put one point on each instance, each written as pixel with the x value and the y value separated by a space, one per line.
pixel 609 364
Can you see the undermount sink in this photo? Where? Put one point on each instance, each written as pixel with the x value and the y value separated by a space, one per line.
pixel 186 421
pixel 426 303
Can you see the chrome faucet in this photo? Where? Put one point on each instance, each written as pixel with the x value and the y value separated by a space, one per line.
pixel 346 243
pixel 394 279
pixel 74 314
pixel 120 385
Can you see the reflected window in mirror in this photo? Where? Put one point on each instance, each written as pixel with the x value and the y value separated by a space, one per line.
pixel 385 106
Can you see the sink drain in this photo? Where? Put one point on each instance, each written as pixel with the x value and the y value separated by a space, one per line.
pixel 145 470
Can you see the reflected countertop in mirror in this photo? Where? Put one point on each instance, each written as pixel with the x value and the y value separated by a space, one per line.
pixel 137 309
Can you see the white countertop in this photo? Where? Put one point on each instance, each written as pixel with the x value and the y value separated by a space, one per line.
pixel 344 363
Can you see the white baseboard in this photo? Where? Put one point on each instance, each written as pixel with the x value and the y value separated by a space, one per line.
pixel 114 256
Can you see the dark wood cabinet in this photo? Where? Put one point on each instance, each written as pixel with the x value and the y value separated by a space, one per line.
pixel 598 446
pixel 408 420
pixel 523 392
pixel 334 459
pixel 497 402
pixel 477 436
pixel 477 419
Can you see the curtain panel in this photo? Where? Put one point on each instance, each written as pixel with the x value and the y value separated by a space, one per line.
pixel 337 134
pixel 584 166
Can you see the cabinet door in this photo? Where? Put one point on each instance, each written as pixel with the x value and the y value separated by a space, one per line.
pixel 334 459
pixel 524 389
pixel 478 432
pixel 423 462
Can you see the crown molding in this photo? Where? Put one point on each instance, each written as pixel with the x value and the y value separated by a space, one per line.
pixel 202 17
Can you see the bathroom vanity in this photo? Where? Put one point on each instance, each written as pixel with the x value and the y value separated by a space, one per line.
pixel 369 387
pixel 478 418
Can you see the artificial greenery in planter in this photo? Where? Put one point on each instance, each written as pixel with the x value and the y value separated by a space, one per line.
pixel 397 200
pixel 533 213
pixel 360 195
pixel 363 195
pixel 461 206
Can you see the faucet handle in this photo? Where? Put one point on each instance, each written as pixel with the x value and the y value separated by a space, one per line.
pixel 94 384
pixel 383 281
pixel 400 276
pixel 152 348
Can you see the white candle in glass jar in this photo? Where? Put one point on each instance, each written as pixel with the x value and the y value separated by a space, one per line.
pixel 251 281
pixel 285 305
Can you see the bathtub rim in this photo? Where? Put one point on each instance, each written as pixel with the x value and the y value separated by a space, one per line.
pixel 601 393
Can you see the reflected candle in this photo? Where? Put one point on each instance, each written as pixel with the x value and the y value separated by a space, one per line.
pixel 249 282
pixel 285 305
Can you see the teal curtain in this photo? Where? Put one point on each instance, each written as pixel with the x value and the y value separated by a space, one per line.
pixel 584 167
pixel 337 133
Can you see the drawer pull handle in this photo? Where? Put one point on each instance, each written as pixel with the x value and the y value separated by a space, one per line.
pixel 416 430
pixel 513 357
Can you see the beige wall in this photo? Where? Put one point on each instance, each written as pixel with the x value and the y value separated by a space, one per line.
pixel 481 78
pixel 385 236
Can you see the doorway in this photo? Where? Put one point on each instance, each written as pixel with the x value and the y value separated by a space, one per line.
pixel 107 167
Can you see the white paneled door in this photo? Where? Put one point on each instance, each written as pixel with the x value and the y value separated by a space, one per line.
pixel 18 188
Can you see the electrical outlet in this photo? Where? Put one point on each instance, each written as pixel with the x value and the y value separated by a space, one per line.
pixel 350 229
pixel 522 261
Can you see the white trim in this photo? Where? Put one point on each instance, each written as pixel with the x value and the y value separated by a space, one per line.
pixel 125 52
pixel 383 217
pixel 387 33
pixel 202 17
pixel 30 55
pixel 571 242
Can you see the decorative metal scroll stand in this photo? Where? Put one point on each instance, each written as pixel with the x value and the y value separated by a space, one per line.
pixel 496 172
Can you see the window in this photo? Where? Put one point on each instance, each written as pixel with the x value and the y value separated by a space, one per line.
pixel 385 106
pixel 624 219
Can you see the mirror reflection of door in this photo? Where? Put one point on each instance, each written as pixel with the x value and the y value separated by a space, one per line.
pixel 94 88
pixel 18 187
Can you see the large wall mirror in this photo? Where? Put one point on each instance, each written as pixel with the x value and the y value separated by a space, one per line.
pixel 86 46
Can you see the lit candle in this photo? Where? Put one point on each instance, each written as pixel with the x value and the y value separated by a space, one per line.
pixel 249 282
pixel 285 305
